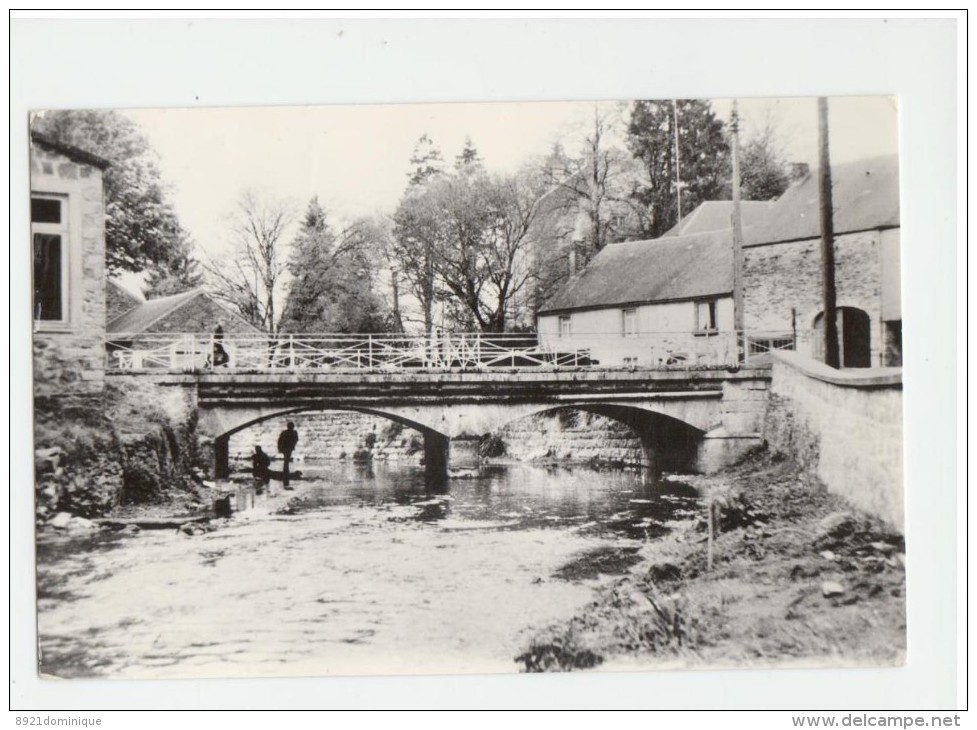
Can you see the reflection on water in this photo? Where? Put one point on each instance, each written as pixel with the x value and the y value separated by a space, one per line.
pixel 520 496
pixel 360 570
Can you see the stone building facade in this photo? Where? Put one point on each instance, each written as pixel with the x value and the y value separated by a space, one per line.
pixel 68 244
pixel 782 288
pixel 782 292
pixel 635 299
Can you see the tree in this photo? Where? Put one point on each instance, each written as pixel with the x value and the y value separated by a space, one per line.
pixel 598 186
pixel 411 243
pixel 475 228
pixel 703 158
pixel 141 227
pixel 333 278
pixel 763 166
pixel 179 274
pixel 426 161
pixel 250 278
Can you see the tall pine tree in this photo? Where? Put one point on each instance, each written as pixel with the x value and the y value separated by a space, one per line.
pixel 332 289
pixel 703 160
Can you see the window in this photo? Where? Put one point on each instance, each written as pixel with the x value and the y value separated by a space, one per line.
pixel 705 315
pixel 629 322
pixel 565 326
pixel 49 231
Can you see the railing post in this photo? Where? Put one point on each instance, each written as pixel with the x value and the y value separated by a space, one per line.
pixel 291 352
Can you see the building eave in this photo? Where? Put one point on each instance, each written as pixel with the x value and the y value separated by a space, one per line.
pixel 75 153
pixel 626 305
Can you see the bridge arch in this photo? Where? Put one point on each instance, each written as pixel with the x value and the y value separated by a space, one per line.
pixel 436 444
pixel 667 442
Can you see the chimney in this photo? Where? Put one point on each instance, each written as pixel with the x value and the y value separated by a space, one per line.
pixel 572 260
pixel 799 171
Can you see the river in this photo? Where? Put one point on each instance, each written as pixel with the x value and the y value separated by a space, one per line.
pixel 360 570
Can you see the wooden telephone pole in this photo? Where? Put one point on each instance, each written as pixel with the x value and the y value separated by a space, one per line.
pixel 737 226
pixel 830 309
pixel 678 162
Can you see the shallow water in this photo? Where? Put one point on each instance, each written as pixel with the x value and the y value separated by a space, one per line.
pixel 361 570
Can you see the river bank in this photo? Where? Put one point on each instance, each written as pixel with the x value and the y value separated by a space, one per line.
pixel 798 577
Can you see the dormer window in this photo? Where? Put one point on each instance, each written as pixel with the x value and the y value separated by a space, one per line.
pixel 49 233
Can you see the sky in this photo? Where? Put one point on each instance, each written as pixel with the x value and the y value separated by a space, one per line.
pixel 355 158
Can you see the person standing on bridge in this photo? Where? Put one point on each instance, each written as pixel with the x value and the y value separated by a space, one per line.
pixel 287 440
pixel 221 358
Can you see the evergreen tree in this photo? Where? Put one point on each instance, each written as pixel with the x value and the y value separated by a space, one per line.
pixel 426 161
pixel 179 274
pixel 468 159
pixel 332 288
pixel 703 158
pixel 763 167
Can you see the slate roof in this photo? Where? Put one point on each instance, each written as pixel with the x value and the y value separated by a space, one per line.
pixel 664 269
pixel 714 215
pixel 865 196
pixel 140 318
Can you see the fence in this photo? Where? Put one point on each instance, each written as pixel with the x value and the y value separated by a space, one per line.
pixel 392 352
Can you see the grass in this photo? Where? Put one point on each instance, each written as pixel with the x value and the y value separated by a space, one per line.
pixel 781 538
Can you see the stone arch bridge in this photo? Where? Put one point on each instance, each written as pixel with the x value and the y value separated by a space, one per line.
pixel 687 419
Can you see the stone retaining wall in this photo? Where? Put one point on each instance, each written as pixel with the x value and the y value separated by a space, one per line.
pixel 843 427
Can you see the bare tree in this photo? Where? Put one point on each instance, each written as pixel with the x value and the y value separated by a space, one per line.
pixel 475 229
pixel 250 278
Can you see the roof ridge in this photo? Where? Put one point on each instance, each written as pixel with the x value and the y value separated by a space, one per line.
pixel 176 300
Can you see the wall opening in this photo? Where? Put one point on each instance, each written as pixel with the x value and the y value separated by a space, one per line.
pixel 854 337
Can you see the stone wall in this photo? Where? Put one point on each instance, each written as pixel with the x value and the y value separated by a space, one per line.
pixel 555 435
pixel 784 276
pixel 333 435
pixel 69 358
pixel 843 427
pixel 569 435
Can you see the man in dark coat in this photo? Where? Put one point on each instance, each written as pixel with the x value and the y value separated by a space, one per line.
pixel 221 358
pixel 287 440
pixel 260 462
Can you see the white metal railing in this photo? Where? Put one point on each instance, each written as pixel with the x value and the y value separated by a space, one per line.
pixel 380 352
pixel 464 351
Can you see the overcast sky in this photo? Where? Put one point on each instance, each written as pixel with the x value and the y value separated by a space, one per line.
pixel 355 158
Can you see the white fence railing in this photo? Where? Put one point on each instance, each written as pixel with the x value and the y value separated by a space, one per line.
pixel 465 351
pixel 195 352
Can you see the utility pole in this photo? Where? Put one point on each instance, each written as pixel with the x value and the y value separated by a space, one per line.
pixel 827 239
pixel 737 226
pixel 395 285
pixel 678 162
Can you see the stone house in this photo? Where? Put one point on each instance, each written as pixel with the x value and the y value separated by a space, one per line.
pixel 782 265
pixel 646 302
pixel 68 246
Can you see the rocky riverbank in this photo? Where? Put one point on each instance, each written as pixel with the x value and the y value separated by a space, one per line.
pixel 797 577
pixel 127 449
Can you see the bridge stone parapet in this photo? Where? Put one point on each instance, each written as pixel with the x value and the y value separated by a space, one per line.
pixel 693 419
